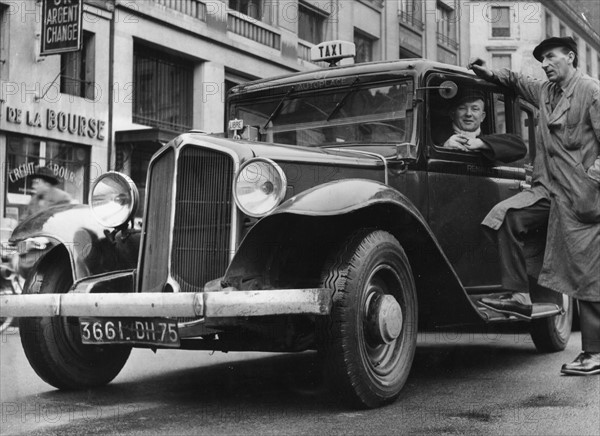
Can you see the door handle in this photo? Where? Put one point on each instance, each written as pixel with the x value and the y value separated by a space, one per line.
pixel 523 184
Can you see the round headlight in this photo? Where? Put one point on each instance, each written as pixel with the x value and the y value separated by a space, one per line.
pixel 113 199
pixel 259 187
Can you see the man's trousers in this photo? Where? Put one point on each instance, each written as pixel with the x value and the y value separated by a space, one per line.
pixel 517 224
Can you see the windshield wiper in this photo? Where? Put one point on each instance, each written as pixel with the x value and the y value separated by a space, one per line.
pixel 343 100
pixel 278 108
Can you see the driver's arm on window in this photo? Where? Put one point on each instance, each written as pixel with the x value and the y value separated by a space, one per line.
pixel 502 147
pixel 460 142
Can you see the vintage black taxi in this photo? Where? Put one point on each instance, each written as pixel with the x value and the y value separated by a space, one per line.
pixel 329 218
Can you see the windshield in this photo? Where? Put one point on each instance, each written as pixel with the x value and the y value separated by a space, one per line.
pixel 359 113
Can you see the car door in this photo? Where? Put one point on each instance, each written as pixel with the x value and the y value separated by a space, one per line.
pixel 464 186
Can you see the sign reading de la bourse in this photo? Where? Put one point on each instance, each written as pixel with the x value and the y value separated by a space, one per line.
pixel 61 26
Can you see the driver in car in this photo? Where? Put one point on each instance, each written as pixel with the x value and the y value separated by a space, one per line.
pixel 464 133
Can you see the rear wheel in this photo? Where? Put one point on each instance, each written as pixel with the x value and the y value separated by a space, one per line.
pixel 368 341
pixel 53 344
pixel 552 334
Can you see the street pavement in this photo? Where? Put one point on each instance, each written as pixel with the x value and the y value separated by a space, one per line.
pixel 461 383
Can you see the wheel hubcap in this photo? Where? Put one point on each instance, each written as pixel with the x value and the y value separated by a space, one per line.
pixel 384 319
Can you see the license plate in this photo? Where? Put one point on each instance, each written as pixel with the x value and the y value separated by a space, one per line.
pixel 148 331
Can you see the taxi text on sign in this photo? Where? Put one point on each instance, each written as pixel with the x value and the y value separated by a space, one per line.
pixel 61 26
pixel 332 50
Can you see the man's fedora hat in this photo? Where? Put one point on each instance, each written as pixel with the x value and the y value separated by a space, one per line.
pixel 45 174
pixel 564 41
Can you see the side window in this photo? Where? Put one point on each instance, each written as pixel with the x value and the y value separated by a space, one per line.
pixel 527 125
pixel 467 114
pixel 499 111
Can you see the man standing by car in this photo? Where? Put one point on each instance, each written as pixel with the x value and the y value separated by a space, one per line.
pixel 565 193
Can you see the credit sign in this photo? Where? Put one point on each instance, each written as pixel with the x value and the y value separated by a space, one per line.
pixel 61 26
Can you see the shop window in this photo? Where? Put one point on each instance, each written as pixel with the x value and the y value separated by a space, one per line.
pixel 500 21
pixel 311 23
pixel 70 163
pixel 501 61
pixel 77 69
pixel 364 47
pixel 162 91
pixel 252 8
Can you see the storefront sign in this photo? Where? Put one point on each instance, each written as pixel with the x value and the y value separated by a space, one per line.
pixel 62 121
pixel 61 26
pixel 21 171
pixel 29 168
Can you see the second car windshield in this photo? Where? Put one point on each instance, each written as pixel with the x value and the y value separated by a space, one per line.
pixel 365 114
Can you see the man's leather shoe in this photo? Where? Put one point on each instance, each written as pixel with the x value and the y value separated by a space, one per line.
pixel 508 306
pixel 584 364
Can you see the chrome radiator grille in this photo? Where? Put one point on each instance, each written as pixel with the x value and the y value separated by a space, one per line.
pixel 203 205
pixel 202 221
pixel 154 268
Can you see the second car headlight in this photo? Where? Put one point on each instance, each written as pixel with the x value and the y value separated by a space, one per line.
pixel 259 186
pixel 113 199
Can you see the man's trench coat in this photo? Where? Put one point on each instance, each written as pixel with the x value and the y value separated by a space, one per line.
pixel 567 144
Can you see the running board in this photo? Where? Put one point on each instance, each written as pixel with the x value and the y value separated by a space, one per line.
pixel 539 310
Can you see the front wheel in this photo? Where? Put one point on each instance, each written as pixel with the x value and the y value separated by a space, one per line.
pixel 368 342
pixel 53 344
pixel 552 334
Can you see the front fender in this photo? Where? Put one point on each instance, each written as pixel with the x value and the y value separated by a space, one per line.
pixel 296 239
pixel 89 248
pixel 344 196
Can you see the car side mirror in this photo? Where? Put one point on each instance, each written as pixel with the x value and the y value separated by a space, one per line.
pixel 447 89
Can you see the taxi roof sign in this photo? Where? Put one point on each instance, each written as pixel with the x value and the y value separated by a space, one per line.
pixel 332 51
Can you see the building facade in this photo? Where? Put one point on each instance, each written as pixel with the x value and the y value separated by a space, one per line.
pixel 54 109
pixel 504 33
pixel 151 69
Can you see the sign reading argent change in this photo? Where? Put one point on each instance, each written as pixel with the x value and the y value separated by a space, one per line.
pixel 61 26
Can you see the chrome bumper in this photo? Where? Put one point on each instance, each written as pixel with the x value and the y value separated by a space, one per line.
pixel 230 302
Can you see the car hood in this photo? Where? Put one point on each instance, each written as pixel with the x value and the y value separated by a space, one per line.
pixel 347 155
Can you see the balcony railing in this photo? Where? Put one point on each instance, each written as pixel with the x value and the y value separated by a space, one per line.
pixel 304 54
pixel 249 28
pixel 411 20
pixel 193 8
pixel 446 41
